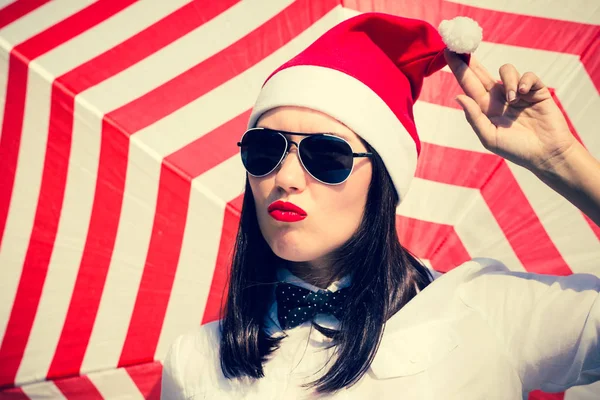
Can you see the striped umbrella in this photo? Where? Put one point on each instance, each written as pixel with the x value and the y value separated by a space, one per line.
pixel 120 184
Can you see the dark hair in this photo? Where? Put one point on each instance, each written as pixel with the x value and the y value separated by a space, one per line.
pixel 385 277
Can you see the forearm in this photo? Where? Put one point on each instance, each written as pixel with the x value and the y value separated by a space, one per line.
pixel 576 177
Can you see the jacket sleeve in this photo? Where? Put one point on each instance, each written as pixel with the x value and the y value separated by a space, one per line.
pixel 172 385
pixel 548 325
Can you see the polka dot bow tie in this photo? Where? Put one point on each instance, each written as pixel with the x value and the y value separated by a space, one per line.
pixel 296 305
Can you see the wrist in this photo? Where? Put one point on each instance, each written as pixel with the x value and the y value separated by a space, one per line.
pixel 565 167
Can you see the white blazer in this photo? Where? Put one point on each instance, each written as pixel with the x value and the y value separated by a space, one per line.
pixel 479 331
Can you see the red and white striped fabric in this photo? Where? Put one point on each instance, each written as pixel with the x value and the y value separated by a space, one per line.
pixel 120 184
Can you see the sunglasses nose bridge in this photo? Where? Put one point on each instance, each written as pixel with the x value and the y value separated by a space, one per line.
pixel 288 147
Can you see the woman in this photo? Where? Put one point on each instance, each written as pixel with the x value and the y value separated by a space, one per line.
pixel 323 301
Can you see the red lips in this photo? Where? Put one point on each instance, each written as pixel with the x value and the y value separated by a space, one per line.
pixel 286 212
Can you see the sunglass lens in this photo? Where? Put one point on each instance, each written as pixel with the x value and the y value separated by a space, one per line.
pixel 327 158
pixel 262 151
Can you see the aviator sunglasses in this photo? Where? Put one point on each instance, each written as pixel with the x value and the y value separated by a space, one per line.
pixel 327 158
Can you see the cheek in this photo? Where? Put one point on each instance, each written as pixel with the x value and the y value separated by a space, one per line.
pixel 342 213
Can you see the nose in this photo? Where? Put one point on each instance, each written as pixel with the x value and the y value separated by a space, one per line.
pixel 290 175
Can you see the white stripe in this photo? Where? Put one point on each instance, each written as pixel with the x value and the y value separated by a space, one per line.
pixel 43 390
pixel 31 151
pixel 19 31
pixel 127 261
pixel 142 179
pixel 467 212
pixel 228 100
pixel 195 268
pixel 230 171
pixel 106 35
pixel 176 58
pixel 563 72
pixel 581 101
pixel 584 11
pixel 587 392
pixel 4 3
pixel 38 21
pixel 554 68
pixel 445 126
pixel 199 252
pixel 80 187
pixel 427 263
pixel 24 199
pixel 115 384
pixel 564 223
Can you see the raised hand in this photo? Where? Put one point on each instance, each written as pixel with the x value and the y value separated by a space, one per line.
pixel 515 118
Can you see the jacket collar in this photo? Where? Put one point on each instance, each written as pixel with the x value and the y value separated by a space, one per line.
pixel 414 340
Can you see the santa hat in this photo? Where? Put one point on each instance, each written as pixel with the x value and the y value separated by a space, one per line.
pixel 367 72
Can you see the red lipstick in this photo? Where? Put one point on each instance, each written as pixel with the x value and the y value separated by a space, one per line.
pixel 286 212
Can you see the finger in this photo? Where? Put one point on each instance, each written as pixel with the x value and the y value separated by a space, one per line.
pixel 487 80
pixel 510 78
pixel 467 79
pixel 530 82
pixel 483 127
pixel 532 89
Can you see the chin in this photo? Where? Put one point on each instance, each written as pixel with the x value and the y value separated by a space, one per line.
pixel 293 252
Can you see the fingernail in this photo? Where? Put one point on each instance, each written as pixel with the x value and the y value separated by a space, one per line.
pixel 511 96
pixel 522 88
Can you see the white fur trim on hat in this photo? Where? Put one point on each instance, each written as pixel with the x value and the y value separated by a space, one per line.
pixel 352 103
pixel 461 34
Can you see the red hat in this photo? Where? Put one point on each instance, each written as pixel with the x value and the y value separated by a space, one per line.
pixel 367 72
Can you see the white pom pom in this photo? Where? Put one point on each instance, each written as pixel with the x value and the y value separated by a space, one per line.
pixel 461 34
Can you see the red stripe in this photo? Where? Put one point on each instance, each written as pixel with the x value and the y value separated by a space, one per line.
pixel 539 395
pixel 95 260
pixel 595 228
pixel 211 149
pixel 591 60
pixel 113 155
pixel 218 286
pixel 78 388
pixel 51 194
pixel 18 9
pixel 500 27
pixel 147 378
pixel 139 46
pixel 562 109
pixel 503 195
pixel 431 93
pixel 20 56
pixel 10 139
pixel 181 90
pixel 13 394
pixel 160 267
pixel 438 243
pixel 221 67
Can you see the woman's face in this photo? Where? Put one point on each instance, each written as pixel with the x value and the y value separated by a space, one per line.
pixel 333 212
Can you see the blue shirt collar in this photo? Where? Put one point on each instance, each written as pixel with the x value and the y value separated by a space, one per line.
pixel 271 323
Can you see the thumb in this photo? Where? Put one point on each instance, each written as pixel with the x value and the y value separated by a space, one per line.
pixel 480 123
